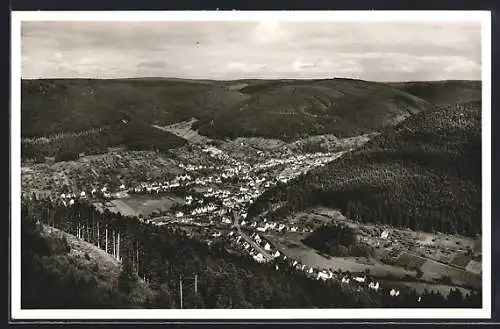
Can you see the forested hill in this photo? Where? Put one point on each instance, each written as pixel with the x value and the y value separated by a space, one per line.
pixel 289 109
pixel 443 92
pixel 284 109
pixel 425 173
pixel 51 106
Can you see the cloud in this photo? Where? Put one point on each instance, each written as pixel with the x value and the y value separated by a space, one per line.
pixel 269 31
pixel 269 49
pixel 244 67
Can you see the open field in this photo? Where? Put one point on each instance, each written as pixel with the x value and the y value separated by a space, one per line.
pixel 292 247
pixel 410 261
pixel 474 267
pixel 434 270
pixel 146 205
pixel 120 206
pixel 461 260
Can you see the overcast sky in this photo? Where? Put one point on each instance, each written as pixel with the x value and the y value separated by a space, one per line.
pixel 390 51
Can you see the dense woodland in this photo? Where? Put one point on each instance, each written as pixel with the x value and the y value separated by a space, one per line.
pixel 135 135
pixel 51 106
pixel 162 255
pixel 424 174
pixel 337 240
pixel 294 109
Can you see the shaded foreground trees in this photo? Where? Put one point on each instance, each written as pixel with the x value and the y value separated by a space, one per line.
pixel 160 257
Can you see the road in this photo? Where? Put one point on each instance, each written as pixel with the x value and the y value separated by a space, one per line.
pixel 248 239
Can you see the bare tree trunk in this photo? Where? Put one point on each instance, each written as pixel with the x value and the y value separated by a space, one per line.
pixel 98 237
pixel 106 240
pixel 118 246
pixel 137 257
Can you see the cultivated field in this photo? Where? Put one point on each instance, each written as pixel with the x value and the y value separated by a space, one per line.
pixel 141 205
pixel 146 205
pixel 291 246
pixel 435 270
pixel 474 267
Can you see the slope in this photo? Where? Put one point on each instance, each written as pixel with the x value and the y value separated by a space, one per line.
pixel 425 173
pixel 289 109
pixel 67 105
pixel 443 92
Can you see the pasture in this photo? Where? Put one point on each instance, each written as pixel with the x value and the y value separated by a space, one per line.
pixel 410 261
pixel 291 246
pixel 144 205
pixel 433 270
pixel 474 267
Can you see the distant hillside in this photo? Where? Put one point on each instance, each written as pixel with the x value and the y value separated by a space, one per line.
pixel 66 105
pixel 134 135
pixel 289 109
pixel 284 109
pixel 425 173
pixel 443 92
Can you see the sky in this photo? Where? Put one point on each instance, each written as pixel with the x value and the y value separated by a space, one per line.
pixel 227 50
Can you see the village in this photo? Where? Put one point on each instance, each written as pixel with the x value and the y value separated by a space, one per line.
pixel 204 190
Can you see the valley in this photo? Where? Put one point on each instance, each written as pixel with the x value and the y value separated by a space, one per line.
pixel 260 193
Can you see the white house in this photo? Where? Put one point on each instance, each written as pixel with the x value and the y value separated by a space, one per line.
pixel 267 247
pixel 374 286
pixel 259 258
pixel 360 279
pixel 323 275
pixel 385 234
pixel 394 292
pixel 277 253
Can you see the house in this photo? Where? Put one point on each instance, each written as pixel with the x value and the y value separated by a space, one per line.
pixel 179 214
pixel 360 279
pixel 261 229
pixel 267 247
pixel 323 275
pixel 277 253
pixel 82 194
pixel 310 270
pixel 374 286
pixel 394 292
pixel 385 234
pixel 259 258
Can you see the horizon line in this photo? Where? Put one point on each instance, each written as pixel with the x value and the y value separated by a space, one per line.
pixel 240 79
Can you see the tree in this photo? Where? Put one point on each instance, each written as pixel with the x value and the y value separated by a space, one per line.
pixel 127 278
